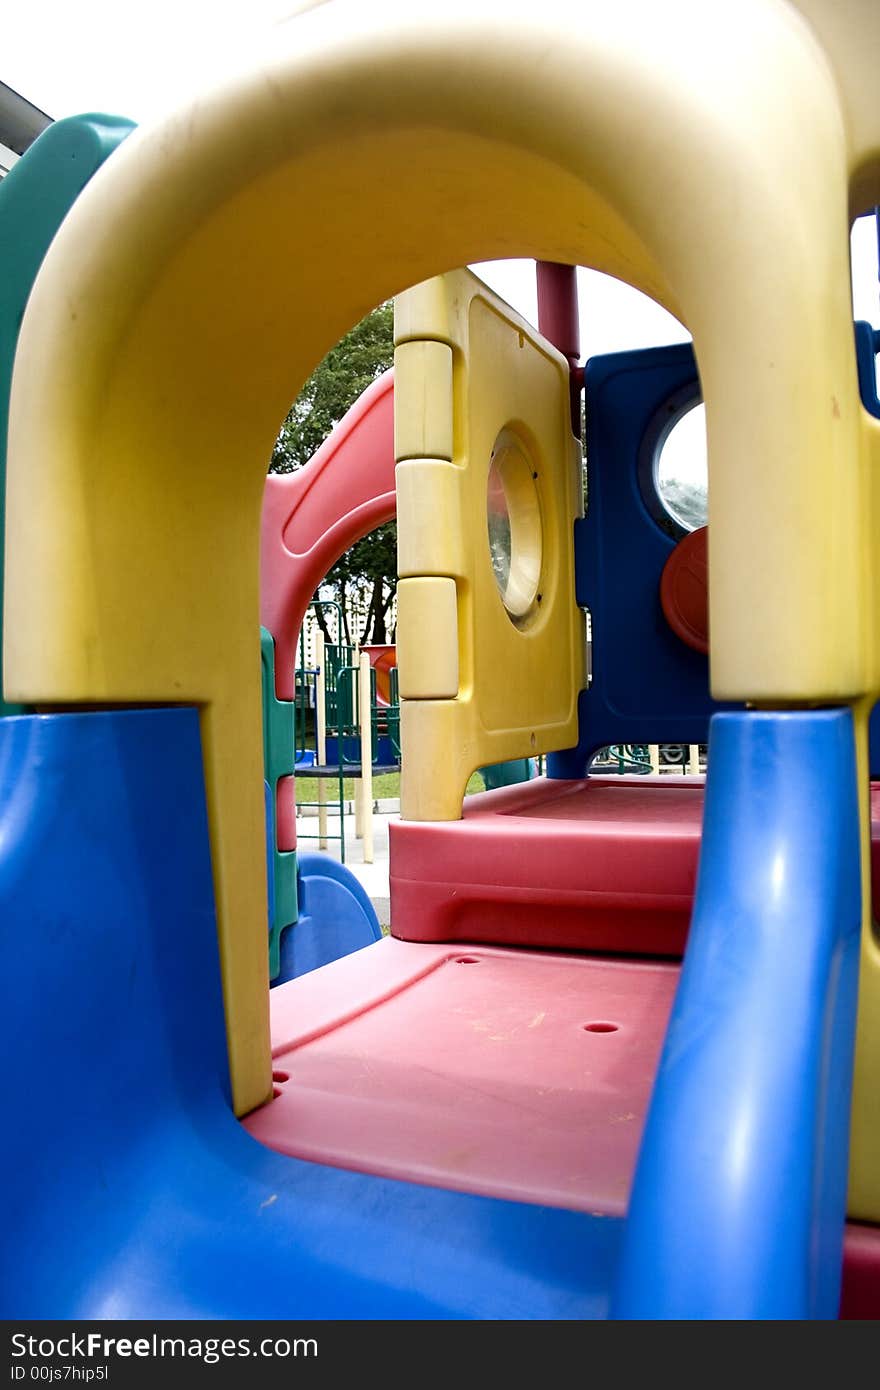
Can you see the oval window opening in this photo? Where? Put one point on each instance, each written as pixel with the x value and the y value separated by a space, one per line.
pixel 681 470
pixel 514 525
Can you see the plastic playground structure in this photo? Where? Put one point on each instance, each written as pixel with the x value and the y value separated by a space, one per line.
pixel 618 1057
pixel 354 695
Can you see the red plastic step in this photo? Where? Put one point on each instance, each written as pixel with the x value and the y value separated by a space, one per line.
pixel 606 864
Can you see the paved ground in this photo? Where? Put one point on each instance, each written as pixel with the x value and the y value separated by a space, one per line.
pixel 373 877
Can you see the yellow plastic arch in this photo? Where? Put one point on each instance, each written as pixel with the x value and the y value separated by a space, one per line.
pixel 706 154
pixel 491 653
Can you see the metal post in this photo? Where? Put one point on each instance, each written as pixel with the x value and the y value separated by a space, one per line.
pixel 558 321
pixel 365 712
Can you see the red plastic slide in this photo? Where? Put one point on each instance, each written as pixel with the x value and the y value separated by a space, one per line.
pixel 310 518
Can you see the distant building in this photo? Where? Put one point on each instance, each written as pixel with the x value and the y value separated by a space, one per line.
pixel 20 124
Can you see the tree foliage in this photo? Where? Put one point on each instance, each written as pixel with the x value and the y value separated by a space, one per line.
pixel 367 577
pixel 335 384
pixel 364 580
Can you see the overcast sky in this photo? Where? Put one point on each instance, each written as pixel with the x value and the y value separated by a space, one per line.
pixel 140 60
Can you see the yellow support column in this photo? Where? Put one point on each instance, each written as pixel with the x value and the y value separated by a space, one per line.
pixel 321 734
pixel 491 644
pixel 366 731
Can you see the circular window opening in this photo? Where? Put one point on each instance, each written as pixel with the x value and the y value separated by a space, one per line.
pixel 514 524
pixel 681 470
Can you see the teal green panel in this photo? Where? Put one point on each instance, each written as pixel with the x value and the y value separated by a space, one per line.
pixel 35 197
pixel 286 904
pixel 278 755
pixel 278 724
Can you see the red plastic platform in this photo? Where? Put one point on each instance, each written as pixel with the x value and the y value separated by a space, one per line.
pixel 606 864
pixel 510 1073
pixel 513 1074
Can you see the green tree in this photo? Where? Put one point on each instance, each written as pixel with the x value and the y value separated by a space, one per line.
pixel 335 384
pixel 365 578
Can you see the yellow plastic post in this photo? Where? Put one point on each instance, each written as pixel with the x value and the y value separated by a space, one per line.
pixel 490 641
pixel 365 702
pixel 321 734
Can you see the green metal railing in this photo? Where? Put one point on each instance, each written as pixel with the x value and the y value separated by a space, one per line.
pixel 305 686
pixel 341 723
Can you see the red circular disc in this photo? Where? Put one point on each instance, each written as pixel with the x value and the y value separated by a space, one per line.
pixel 684 590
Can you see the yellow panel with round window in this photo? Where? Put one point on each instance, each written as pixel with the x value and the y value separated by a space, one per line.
pixel 498 520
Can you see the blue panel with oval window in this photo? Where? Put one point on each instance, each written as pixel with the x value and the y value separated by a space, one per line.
pixel 647 686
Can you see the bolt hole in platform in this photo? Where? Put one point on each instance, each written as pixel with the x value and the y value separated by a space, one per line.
pixel 601 1027
pixel 278 1079
pixel 467 960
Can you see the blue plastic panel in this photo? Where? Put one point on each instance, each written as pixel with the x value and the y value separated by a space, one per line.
pixel 648 686
pixel 336 917
pixel 867 347
pixel 739 1199
pixel 129 1188
pixel 384 754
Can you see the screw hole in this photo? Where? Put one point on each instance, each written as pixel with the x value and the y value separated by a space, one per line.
pixel 599 1027
pixel 281 1076
pixel 467 960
